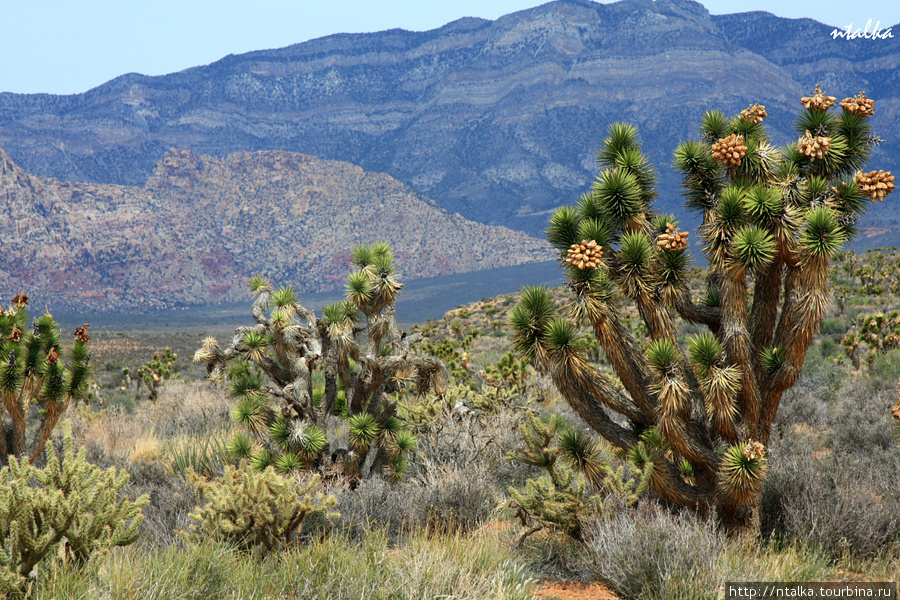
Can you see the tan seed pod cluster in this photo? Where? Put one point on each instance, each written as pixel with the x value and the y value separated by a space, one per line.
pixel 81 333
pixel 585 255
pixel 859 105
pixel 814 146
pixel 53 356
pixel 818 101
pixel 754 450
pixel 876 184
pixel 672 239
pixel 730 150
pixel 754 114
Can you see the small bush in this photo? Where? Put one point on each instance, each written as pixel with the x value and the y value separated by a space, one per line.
pixel 444 499
pixel 803 496
pixel 650 554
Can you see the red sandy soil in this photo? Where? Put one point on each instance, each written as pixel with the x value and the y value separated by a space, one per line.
pixel 563 590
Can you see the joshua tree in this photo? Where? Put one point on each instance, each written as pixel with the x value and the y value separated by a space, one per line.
pixel 156 372
pixel 700 414
pixel 364 367
pixel 35 383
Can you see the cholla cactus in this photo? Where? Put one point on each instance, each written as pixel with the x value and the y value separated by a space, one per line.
pixel 70 502
pixel 35 383
pixel 364 365
pixel 560 500
pixel 771 221
pixel 252 509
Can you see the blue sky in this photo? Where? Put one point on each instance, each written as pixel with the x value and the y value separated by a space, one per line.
pixel 70 46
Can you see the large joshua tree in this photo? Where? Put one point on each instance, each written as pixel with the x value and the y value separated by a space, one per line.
pixel 364 359
pixel 699 414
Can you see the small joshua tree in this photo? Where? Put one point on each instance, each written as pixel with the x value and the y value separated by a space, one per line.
pixel 153 374
pixel 364 365
pixel 700 415
pixel 35 383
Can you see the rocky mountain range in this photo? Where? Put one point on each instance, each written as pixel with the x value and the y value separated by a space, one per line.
pixel 200 225
pixel 497 120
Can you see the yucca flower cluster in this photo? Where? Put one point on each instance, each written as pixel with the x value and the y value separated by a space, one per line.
pixel 818 100
pixel 730 150
pixel 699 414
pixel 754 114
pixel 358 350
pixel 859 105
pixel 876 184
pixel 672 239
pixel 585 255
pixel 814 146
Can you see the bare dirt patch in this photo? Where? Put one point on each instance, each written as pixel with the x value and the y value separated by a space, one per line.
pixel 565 590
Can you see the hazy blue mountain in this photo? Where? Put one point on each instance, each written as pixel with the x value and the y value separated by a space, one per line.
pixel 497 120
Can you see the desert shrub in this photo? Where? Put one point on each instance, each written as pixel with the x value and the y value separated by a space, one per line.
pixel 842 462
pixel 252 509
pixel 840 503
pixel 860 421
pixel 774 562
pixel 828 348
pixel 445 498
pixel 171 501
pixel 648 554
pixel 462 442
pixel 68 502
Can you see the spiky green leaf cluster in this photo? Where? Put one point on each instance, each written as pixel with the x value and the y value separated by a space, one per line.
pixel 742 475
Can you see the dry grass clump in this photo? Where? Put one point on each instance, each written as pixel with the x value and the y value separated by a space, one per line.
pixel 184 409
pixel 146 449
pixel 425 566
pixel 447 498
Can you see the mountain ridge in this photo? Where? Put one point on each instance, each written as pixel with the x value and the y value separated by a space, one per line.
pixel 497 120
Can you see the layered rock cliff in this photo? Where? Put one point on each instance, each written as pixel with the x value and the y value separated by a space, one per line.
pixel 201 225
